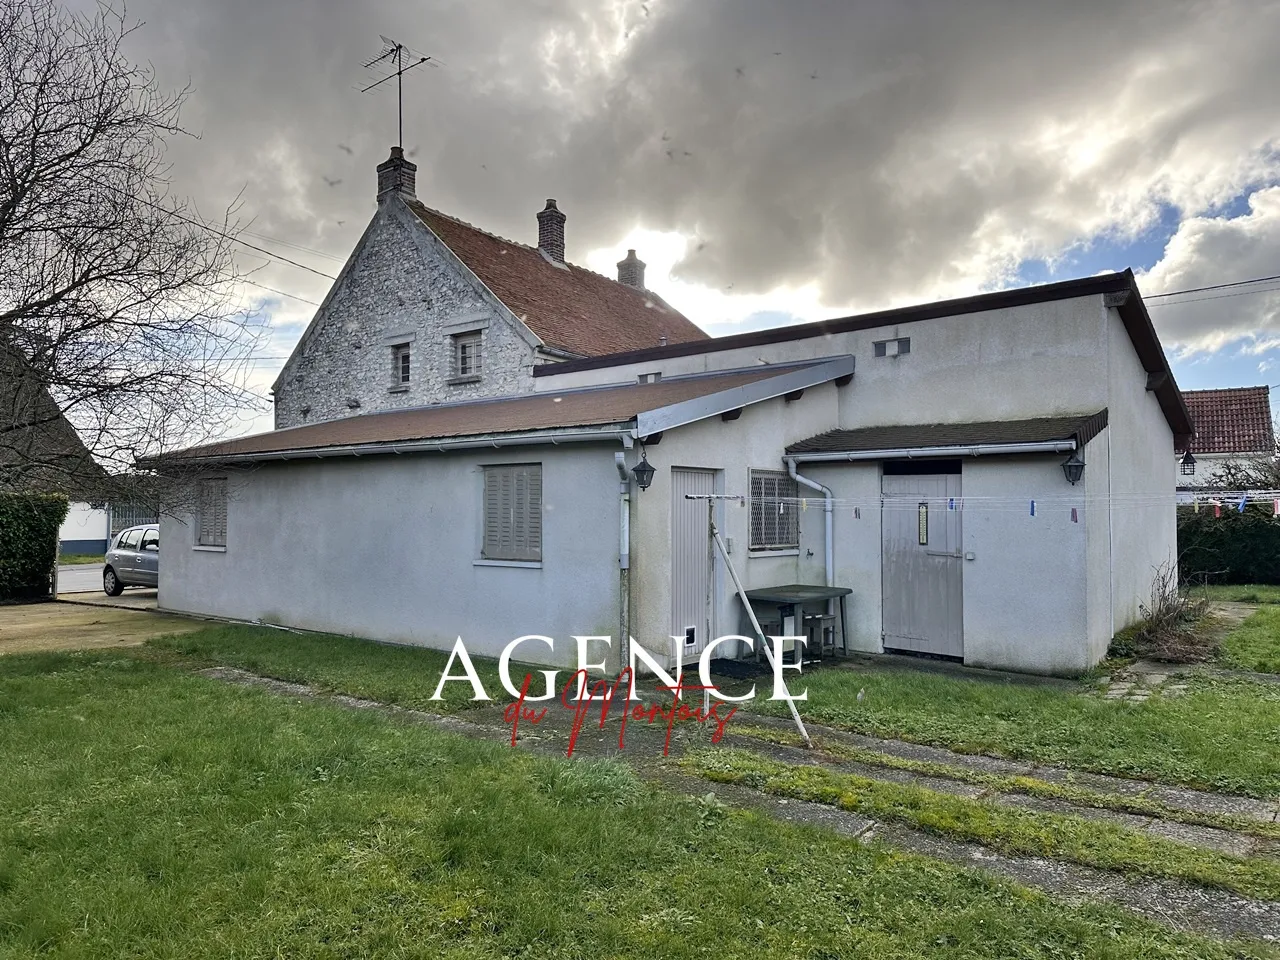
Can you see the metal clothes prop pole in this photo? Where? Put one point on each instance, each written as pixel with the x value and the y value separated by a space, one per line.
pixel 755 623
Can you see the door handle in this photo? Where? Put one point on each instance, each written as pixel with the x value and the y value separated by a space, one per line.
pixel 953 554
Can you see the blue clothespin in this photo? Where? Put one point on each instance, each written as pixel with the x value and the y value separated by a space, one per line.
pixel 1240 508
pixel 1033 508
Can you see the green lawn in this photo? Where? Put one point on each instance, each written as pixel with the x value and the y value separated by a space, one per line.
pixel 74 558
pixel 151 812
pixel 403 675
pixel 1012 830
pixel 1222 734
pixel 1242 593
pixel 1255 644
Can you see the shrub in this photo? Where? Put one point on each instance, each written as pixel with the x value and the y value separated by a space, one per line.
pixel 1170 626
pixel 29 524
pixel 1237 547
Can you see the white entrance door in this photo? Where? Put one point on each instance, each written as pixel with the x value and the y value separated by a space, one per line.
pixel 691 559
pixel 922 564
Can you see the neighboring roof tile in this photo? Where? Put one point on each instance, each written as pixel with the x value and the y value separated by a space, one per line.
pixel 1082 428
pixel 569 308
pixel 1234 420
pixel 539 411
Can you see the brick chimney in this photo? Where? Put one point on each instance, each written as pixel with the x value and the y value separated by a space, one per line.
pixel 397 175
pixel 551 231
pixel 631 271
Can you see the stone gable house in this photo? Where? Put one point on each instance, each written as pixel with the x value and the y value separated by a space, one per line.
pixel 429 309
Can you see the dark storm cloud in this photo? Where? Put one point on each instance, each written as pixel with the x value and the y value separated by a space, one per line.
pixel 885 151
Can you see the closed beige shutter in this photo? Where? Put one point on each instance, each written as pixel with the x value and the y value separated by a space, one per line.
pixel 513 512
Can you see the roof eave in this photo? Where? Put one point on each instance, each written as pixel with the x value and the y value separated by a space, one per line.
pixel 685 412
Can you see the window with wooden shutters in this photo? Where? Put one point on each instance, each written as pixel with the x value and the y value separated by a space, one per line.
pixel 775 515
pixel 513 512
pixel 211 519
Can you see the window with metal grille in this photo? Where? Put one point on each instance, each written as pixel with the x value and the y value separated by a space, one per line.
pixel 466 355
pixel 513 512
pixel 775 514
pixel 401 364
pixel 211 519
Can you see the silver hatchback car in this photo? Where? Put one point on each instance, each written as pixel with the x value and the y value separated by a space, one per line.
pixel 133 560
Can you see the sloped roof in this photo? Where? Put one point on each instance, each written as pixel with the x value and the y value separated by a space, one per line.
pixel 1232 420
pixel 1081 428
pixel 1122 286
pixel 599 406
pixel 567 307
pixel 40 451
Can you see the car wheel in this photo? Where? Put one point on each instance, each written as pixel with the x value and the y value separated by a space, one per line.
pixel 111 584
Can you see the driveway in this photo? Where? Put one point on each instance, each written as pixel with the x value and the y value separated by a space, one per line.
pixel 32 627
pixel 79 577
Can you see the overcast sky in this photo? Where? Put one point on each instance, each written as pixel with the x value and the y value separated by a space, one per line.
pixel 771 161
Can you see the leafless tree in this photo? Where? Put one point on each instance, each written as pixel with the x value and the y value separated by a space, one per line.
pixel 117 301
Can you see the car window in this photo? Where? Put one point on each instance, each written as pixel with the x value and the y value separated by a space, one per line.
pixel 151 538
pixel 129 540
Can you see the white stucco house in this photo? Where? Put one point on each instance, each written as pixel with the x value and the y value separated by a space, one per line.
pixel 918 458
pixel 1230 425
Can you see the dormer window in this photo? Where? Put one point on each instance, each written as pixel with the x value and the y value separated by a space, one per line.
pixel 467 356
pixel 401 365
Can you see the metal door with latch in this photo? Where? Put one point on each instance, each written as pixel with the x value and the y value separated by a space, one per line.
pixel 691 559
pixel 922 564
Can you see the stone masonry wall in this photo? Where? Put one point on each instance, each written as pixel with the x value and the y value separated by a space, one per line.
pixel 399 288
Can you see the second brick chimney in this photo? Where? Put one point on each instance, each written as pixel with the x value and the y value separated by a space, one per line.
pixel 551 231
pixel 631 271
pixel 397 175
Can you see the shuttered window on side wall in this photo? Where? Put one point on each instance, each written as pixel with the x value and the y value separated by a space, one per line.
pixel 211 529
pixel 513 512
pixel 775 515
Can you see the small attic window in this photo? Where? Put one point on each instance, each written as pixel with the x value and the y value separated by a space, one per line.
pixel 649 377
pixel 892 348
pixel 467 355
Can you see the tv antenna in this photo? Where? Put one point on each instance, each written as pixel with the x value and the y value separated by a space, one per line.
pixel 398 60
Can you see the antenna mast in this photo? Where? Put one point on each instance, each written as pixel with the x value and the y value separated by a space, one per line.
pixel 393 55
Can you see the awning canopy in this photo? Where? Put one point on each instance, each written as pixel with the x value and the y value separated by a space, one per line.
pixel 956 439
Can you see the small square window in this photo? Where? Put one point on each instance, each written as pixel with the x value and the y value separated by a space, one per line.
pixel 466 355
pixel 401 364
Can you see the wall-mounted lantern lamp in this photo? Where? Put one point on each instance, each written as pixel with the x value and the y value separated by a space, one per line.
pixel 1188 464
pixel 643 472
pixel 1073 467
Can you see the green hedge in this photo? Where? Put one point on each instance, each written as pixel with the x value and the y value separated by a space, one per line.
pixel 29 524
pixel 1233 548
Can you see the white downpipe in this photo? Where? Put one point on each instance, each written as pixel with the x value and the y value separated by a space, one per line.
pixel 624 559
pixel 827 508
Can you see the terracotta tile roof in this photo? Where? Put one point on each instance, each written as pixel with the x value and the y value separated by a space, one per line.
pixel 540 411
pixel 1234 420
pixel 571 309
pixel 1081 428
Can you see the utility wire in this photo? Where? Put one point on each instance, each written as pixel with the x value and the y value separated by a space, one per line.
pixel 1213 286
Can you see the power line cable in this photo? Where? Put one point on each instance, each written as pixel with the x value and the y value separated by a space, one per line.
pixel 1213 286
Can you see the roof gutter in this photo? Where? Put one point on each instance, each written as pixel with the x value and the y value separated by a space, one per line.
pixel 611 433
pixel 968 450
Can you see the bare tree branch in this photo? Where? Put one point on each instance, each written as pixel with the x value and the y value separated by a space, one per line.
pixel 117 304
